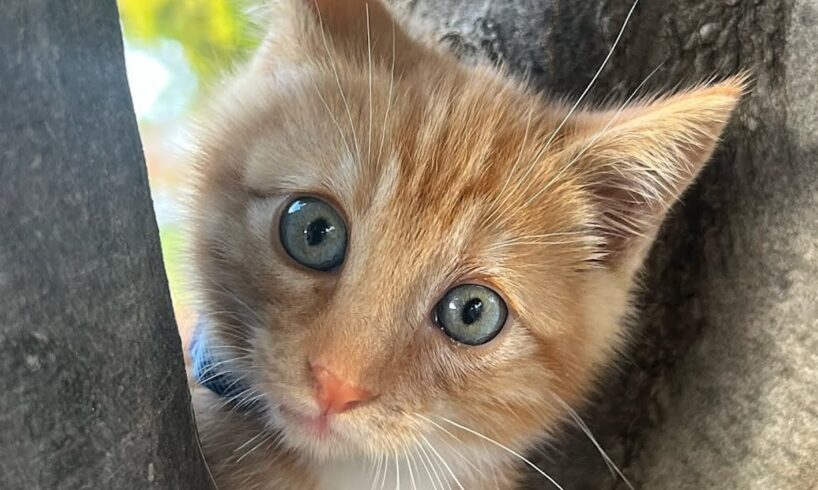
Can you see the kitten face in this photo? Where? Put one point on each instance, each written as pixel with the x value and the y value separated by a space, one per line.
pixel 443 175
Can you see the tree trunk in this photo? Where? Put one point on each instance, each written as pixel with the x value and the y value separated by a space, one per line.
pixel 720 386
pixel 92 384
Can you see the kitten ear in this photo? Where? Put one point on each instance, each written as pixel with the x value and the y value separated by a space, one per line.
pixel 637 163
pixel 357 30
pixel 360 28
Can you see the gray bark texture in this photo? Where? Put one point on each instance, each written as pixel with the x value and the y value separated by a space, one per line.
pixel 92 384
pixel 719 389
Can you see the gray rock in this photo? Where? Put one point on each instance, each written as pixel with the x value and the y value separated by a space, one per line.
pixel 92 384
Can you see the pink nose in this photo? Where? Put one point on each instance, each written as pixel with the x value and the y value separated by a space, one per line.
pixel 334 395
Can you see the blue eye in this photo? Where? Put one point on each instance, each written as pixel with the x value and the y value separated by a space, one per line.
pixel 313 233
pixel 471 314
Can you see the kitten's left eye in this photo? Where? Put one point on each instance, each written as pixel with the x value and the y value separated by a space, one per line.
pixel 313 233
pixel 471 314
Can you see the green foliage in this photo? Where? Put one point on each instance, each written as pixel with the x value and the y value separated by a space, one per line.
pixel 213 33
pixel 172 240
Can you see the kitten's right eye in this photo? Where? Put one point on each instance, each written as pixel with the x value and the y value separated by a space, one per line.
pixel 313 233
pixel 471 314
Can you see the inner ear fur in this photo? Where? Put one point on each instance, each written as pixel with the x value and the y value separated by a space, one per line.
pixel 636 163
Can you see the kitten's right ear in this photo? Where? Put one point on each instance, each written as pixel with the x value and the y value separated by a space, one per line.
pixel 353 30
pixel 637 163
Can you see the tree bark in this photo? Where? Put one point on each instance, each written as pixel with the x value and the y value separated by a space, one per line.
pixel 720 386
pixel 93 392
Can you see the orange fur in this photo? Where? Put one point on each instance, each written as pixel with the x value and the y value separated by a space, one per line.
pixel 444 176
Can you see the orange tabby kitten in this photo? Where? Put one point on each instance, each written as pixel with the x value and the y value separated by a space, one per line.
pixel 410 268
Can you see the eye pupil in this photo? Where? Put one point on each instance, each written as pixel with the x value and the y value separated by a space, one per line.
pixel 317 231
pixel 472 311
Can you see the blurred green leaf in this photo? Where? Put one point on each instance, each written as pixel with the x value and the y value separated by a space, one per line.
pixel 213 33
pixel 172 240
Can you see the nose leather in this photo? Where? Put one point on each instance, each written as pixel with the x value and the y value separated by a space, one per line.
pixel 335 395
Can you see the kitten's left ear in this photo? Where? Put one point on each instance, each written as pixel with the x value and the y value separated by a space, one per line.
pixel 360 28
pixel 357 31
pixel 637 163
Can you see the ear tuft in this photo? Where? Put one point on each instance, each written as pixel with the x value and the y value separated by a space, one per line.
pixel 639 161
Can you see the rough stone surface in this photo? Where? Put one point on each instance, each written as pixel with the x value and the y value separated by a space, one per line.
pixel 720 387
pixel 92 385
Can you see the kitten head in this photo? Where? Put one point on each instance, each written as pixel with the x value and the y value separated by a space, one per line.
pixel 392 246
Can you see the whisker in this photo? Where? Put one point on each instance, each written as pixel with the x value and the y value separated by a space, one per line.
pixel 263 441
pixel 369 55
pixel 248 401
pixel 201 451
pixel 584 427
pixel 385 470
pixel 332 116
pixel 598 135
pixel 430 467
pixel 457 451
pixel 409 455
pixel 500 246
pixel 520 154
pixel 249 441
pixel 377 472
pixel 585 92
pixel 397 471
pixel 389 99
pixel 501 446
pixel 238 300
pixel 232 400
pixel 338 82
pixel 445 482
pixel 596 75
pixel 468 462
pixel 498 206
pixel 215 365
pixel 443 461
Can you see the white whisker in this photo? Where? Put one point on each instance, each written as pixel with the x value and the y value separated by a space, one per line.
pixel 455 450
pixel 409 458
pixel 504 197
pixel 596 136
pixel 389 97
pixel 431 466
pixel 238 300
pixel 338 82
pixel 584 427
pixel 596 75
pixel 263 441
pixel 585 92
pixel 397 471
pixel 333 118
pixel 443 461
pixel 503 447
pixel 377 472
pixel 369 55
pixel 249 441
pixel 201 452
pixel 385 470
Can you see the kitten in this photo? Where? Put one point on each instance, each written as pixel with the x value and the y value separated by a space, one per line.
pixel 411 268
